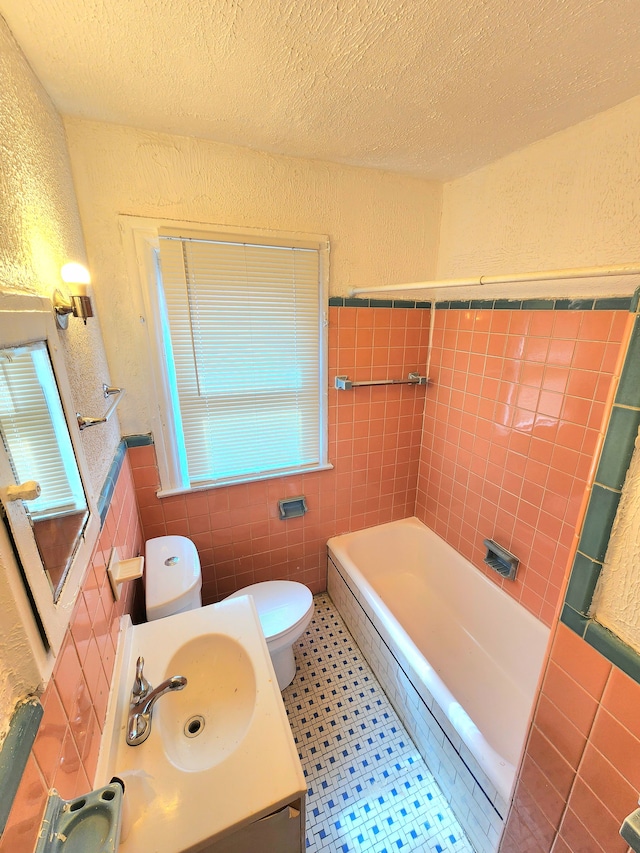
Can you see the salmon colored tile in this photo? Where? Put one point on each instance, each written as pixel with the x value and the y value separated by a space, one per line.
pixel 582 662
pixel 141 457
pixel 66 774
pixel 569 697
pixel 619 745
pixel 67 675
pixel 561 352
pixel 48 742
pixel 596 818
pixel 587 355
pixel 560 731
pixel 607 782
pixel 577 836
pixel 622 700
pixel 25 817
pixel 547 798
pixel 531 815
pixel 561 846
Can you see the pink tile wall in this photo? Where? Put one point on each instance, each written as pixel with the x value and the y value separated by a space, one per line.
pixel 374 445
pixel 581 773
pixel 511 426
pixel 65 752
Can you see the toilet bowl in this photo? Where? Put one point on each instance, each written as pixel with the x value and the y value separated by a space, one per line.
pixel 173 584
pixel 285 609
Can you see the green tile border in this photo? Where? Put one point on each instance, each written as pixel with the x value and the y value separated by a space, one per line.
pixel 106 493
pixel 613 465
pixel 621 303
pixel 613 648
pixel 582 583
pixel 138 440
pixel 15 751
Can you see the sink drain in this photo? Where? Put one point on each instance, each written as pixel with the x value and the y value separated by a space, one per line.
pixel 194 726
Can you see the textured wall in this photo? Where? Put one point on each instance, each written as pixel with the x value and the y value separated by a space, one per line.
pixel 39 231
pixel 382 227
pixel 569 200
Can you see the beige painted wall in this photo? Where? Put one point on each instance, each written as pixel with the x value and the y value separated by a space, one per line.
pixel 382 227
pixel 570 200
pixel 39 231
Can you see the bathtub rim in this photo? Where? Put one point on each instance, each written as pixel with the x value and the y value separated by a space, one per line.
pixel 500 772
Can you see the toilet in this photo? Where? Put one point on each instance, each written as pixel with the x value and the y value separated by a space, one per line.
pixel 173 584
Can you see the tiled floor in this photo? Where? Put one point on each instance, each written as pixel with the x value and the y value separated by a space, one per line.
pixel 369 790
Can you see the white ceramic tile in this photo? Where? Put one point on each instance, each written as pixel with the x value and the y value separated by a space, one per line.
pixel 369 789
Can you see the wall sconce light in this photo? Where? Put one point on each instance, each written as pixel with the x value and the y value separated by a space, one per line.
pixel 79 304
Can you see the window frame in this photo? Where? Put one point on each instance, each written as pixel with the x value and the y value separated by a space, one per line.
pixel 141 237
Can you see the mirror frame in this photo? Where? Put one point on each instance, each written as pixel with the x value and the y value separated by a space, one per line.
pixel 23 320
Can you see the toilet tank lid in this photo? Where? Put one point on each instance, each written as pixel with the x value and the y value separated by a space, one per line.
pixel 172 568
pixel 280 604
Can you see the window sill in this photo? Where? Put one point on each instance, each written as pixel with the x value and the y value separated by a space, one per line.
pixel 165 493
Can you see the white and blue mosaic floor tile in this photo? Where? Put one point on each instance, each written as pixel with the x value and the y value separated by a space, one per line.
pixel 369 790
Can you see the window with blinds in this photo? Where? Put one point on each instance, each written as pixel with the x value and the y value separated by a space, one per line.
pixel 34 431
pixel 242 332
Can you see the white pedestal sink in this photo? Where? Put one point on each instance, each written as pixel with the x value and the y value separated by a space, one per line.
pixel 220 755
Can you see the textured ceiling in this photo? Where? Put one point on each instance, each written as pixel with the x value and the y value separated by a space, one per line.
pixel 430 87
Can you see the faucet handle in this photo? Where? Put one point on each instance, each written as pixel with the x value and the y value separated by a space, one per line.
pixel 141 686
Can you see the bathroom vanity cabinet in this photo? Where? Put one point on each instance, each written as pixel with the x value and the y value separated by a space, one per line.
pixel 282 831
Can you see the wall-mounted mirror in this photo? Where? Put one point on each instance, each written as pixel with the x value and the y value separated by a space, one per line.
pixel 53 520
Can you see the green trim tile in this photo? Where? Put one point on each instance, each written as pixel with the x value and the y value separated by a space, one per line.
pixel 14 754
pixel 629 387
pixel 598 522
pixel 614 303
pixel 424 304
pixel 582 583
pixel 507 305
pixel 138 440
pixel 355 302
pixel 613 648
pixel 576 621
pixel 336 302
pixel 618 447
pixel 381 303
pixel 459 304
pixel 404 303
pixel 538 304
pixel 635 300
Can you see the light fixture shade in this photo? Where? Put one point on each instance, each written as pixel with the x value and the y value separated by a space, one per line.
pixel 73 273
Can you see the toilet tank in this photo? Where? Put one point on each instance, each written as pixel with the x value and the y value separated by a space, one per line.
pixel 172 577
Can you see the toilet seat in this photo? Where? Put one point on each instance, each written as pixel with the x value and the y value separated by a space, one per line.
pixel 281 606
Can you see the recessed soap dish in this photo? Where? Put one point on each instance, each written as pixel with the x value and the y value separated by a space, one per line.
pixel 120 571
pixel 501 560
pixel 292 507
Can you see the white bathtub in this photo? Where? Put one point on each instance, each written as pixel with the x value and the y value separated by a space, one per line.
pixel 459 657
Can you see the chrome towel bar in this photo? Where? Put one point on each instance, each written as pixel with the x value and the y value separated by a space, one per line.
pixel 343 383
pixel 109 391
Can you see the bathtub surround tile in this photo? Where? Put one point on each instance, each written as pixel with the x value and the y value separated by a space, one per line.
pixel 473 799
pixel 511 423
pixel 368 787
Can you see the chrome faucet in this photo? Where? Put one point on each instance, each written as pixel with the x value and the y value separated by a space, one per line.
pixel 143 698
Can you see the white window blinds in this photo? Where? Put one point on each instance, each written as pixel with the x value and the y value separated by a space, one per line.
pixel 244 323
pixel 32 422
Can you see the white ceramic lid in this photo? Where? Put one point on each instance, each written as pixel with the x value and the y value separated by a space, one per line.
pixel 280 604
pixel 172 568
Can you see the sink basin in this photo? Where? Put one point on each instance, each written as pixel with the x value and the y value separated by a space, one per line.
pixel 203 723
pixel 220 754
